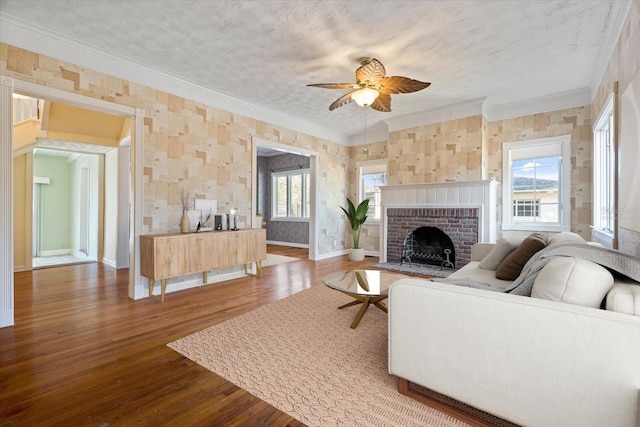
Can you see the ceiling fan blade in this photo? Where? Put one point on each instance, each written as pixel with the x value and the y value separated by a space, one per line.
pixel 343 100
pixel 382 103
pixel 371 71
pixel 335 85
pixel 397 84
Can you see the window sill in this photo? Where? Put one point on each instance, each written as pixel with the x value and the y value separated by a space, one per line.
pixel 536 227
pixel 605 237
pixel 289 220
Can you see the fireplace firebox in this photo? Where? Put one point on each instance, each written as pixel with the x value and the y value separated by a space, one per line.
pixel 429 245
pixel 459 224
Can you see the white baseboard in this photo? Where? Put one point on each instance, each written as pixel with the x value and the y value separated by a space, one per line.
pixel 331 254
pixel 55 252
pixel 322 256
pixel 344 252
pixel 6 318
pixel 109 262
pixel 195 280
pixel 293 245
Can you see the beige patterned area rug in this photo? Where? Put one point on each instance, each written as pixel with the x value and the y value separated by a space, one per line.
pixel 300 355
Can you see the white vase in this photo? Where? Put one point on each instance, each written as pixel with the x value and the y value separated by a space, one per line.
pixel 356 254
pixel 185 224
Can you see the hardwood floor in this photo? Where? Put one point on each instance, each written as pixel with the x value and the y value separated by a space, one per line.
pixel 82 353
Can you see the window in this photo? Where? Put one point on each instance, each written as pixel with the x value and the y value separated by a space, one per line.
pixel 291 194
pixel 526 208
pixel 371 176
pixel 536 176
pixel 604 171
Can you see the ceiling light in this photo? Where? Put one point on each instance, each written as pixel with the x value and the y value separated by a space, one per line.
pixel 365 97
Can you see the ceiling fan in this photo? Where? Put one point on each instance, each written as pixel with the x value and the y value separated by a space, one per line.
pixel 372 87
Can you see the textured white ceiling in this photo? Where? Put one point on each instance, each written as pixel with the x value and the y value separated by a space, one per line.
pixel 266 52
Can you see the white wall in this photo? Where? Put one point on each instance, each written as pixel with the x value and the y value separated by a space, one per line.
pixel 92 163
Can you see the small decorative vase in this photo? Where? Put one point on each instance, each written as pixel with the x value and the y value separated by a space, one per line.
pixel 356 254
pixel 185 224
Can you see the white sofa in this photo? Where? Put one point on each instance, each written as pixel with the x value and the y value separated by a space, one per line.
pixel 531 361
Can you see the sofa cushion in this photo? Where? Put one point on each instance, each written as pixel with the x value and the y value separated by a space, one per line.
pixel 574 281
pixel 473 271
pixel 502 248
pixel 564 237
pixel 624 297
pixel 511 266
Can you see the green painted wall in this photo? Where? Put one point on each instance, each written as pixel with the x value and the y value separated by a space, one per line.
pixel 55 201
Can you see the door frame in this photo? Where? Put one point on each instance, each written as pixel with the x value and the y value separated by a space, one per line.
pixel 7 86
pixel 93 164
pixel 313 172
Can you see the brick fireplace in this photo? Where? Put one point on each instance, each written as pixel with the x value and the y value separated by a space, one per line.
pixel 465 211
pixel 460 224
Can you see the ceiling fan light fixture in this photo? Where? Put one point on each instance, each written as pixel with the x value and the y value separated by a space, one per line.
pixel 365 97
pixel 372 88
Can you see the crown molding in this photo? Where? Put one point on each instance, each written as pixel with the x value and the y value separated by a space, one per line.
pixel 481 106
pixel 619 11
pixel 475 107
pixel 556 101
pixel 446 113
pixel 40 40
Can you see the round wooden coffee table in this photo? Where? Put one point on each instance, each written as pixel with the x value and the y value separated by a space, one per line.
pixel 365 286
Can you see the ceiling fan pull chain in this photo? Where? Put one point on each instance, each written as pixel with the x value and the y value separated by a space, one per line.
pixel 365 149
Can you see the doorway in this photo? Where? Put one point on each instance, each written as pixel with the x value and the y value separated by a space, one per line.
pixel 65 147
pixel 133 209
pixel 306 163
pixel 66 202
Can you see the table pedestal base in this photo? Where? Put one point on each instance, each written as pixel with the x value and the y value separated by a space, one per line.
pixel 365 301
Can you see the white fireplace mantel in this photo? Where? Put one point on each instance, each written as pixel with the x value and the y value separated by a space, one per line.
pixel 482 195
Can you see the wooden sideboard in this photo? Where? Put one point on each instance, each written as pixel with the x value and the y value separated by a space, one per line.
pixel 163 256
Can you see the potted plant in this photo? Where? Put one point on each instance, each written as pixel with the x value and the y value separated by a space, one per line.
pixel 357 217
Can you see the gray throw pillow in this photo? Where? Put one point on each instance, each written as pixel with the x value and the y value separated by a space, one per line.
pixel 498 253
pixel 511 267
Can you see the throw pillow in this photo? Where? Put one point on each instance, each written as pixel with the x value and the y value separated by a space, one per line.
pixel 565 237
pixel 574 281
pixel 498 253
pixel 511 266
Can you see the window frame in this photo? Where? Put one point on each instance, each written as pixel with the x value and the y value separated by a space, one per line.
pixel 305 175
pixel 362 166
pixel 519 150
pixel 604 181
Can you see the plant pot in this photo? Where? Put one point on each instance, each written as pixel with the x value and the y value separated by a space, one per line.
pixel 356 254
pixel 185 224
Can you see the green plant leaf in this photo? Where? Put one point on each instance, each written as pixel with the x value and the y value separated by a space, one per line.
pixel 349 217
pixel 361 212
pixel 362 281
pixel 357 217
